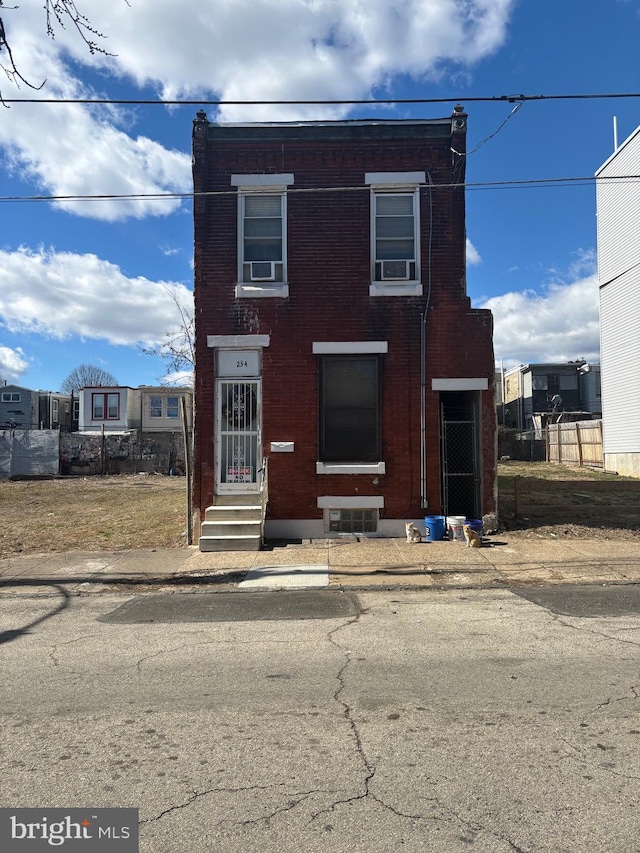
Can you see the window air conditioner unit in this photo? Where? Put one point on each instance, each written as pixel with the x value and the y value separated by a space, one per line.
pixel 263 271
pixel 395 269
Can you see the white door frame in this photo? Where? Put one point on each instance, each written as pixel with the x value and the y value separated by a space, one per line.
pixel 238 435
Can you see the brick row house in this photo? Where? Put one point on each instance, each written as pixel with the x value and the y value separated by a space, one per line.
pixel 339 364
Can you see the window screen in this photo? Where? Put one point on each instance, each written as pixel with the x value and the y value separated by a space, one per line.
pixel 395 233
pixel 349 409
pixel 263 237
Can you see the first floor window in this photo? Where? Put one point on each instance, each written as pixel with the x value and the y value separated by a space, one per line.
pixel 172 407
pixel 164 407
pixel 105 407
pixel 349 409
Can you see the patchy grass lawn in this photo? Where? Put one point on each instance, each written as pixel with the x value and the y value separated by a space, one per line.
pixel 92 514
pixel 149 511
pixel 594 515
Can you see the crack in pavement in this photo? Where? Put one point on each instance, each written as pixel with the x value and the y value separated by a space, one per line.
pixel 370 769
pixel 565 624
pixel 196 795
pixel 294 800
pixel 584 759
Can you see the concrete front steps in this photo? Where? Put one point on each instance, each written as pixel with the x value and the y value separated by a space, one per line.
pixel 232 523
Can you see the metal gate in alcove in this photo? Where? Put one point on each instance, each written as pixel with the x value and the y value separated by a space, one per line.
pixel 238 439
pixel 461 493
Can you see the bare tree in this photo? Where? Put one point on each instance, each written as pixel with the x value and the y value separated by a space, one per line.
pixel 87 376
pixel 58 15
pixel 178 347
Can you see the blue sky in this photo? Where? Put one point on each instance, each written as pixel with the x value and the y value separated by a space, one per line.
pixel 97 281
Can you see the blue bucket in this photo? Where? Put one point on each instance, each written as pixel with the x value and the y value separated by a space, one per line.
pixel 434 527
pixel 475 524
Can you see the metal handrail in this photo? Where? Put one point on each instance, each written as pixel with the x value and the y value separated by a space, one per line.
pixel 264 494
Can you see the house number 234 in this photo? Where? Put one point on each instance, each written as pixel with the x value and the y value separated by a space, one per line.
pixel 242 364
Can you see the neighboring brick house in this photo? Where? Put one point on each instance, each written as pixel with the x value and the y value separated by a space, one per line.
pixel 334 335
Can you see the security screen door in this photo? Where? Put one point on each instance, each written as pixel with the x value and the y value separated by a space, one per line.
pixel 238 439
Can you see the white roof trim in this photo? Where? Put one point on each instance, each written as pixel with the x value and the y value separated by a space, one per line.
pixel 479 384
pixel 349 347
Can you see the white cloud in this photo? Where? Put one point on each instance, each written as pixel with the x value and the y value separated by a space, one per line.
pixel 13 364
pixel 64 294
pixel 473 255
pixel 559 324
pixel 240 50
pixel 266 49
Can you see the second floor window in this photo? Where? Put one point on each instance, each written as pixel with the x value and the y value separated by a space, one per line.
pixel 105 407
pixel 395 231
pixel 164 407
pixel 262 243
pixel 11 396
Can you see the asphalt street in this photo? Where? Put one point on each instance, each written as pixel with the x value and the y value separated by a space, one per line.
pixel 439 720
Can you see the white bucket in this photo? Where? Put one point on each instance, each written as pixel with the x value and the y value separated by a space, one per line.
pixel 454 526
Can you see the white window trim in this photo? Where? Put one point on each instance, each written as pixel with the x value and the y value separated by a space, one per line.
pixel 272 182
pixel 350 468
pixel 238 341
pixel 460 384
pixel 349 347
pixel 404 182
pixel 395 179
pixel 256 291
pixel 251 184
pixel 350 502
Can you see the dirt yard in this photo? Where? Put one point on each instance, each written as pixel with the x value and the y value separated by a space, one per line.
pixel 92 514
pixel 149 511
pixel 588 516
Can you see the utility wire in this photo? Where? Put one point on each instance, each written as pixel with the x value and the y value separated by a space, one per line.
pixel 512 99
pixel 531 183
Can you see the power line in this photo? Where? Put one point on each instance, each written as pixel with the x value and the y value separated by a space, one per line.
pixel 527 183
pixel 511 99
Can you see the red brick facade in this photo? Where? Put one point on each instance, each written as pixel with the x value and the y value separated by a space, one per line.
pixel 329 277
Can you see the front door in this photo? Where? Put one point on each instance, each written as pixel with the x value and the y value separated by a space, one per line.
pixel 238 435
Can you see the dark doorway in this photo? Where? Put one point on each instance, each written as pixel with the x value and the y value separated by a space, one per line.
pixel 460 449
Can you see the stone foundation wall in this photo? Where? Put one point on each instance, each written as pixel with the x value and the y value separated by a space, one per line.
pixel 157 452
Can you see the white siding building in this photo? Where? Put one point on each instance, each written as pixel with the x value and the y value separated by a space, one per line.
pixel 618 208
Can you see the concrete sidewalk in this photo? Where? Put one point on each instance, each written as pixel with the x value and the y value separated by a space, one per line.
pixel 352 564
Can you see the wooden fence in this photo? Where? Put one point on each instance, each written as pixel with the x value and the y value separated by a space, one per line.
pixel 555 498
pixel 578 443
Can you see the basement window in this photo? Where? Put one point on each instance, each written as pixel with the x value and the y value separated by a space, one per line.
pixel 353 520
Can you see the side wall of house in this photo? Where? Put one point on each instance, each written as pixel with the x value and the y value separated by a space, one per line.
pixel 618 208
pixel 329 300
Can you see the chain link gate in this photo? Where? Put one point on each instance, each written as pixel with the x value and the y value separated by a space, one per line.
pixel 460 457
